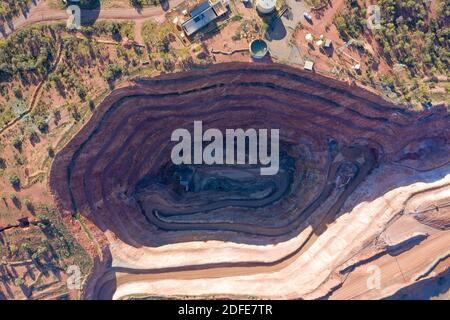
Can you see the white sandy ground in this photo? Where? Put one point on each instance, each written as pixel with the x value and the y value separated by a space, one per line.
pixel 305 275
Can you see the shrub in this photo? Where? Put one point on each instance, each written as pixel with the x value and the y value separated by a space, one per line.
pixel 14 180
pixel 74 112
pixel 89 4
pixel 81 91
pixel 50 151
pixel 19 282
pixel 42 126
pixel 26 52
pixel 28 204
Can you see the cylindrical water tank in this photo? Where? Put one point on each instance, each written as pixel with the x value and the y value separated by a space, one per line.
pixel 258 48
pixel 266 6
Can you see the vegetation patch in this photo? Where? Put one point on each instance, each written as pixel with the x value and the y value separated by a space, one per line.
pixel 410 39
pixel 11 8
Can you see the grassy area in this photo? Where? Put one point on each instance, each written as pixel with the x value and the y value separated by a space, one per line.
pixel 96 4
pixel 157 37
pixel 71 253
pixel 143 3
pixel 408 34
pixel 116 30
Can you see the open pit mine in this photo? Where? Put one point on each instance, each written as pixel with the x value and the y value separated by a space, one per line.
pixel 359 208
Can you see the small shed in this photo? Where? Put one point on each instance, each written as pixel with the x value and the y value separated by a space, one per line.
pixel 309 65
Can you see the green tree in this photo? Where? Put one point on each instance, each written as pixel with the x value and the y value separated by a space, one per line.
pixel 14 180
pixel 42 126
pixel 17 92
pixel 19 281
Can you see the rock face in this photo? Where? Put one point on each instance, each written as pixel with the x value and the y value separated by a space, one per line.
pixel 349 164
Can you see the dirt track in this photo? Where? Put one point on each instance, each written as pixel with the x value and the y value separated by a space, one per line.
pixel 326 125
